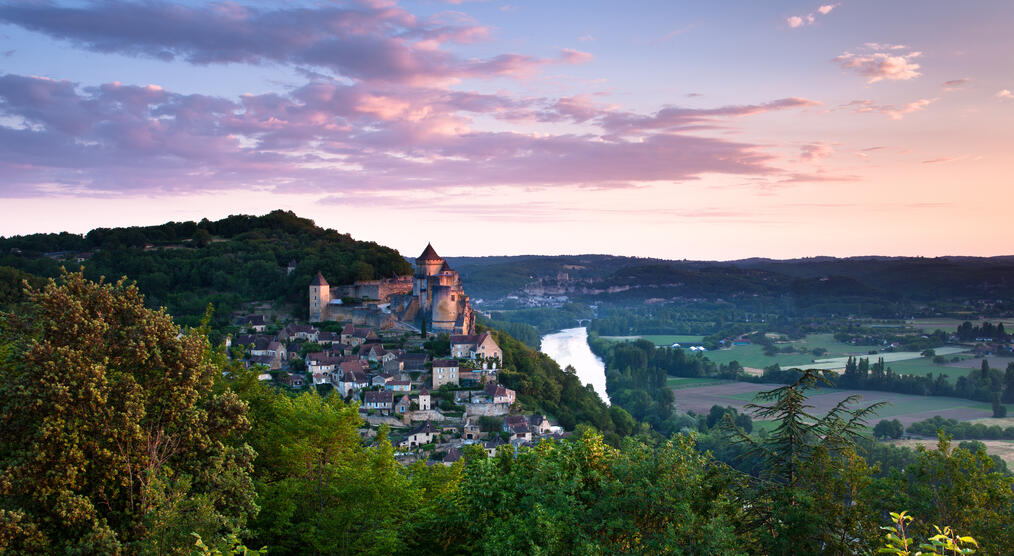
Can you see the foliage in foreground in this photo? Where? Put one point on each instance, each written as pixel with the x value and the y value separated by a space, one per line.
pixel 120 435
pixel 116 432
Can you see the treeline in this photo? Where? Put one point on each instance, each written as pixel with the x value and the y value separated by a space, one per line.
pixel 961 430
pixel 637 374
pixel 698 318
pixel 982 384
pixel 547 319
pixel 967 332
pixel 526 333
pixel 186 265
pixel 124 434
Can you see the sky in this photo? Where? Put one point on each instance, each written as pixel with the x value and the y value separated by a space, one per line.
pixel 671 129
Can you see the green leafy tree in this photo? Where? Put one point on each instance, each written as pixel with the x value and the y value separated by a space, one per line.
pixel 582 496
pixel 957 487
pixel 321 490
pixel 117 432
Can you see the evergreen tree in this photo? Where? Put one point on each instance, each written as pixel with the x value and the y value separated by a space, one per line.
pixel 810 465
pixel 1008 384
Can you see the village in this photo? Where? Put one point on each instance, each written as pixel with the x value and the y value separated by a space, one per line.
pixel 406 351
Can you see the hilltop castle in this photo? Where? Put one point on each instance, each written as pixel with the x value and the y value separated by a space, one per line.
pixel 433 297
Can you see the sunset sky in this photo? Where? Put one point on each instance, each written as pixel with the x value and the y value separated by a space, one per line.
pixel 699 130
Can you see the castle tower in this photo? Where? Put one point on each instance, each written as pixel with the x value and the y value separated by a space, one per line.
pixel 320 296
pixel 424 400
pixel 427 264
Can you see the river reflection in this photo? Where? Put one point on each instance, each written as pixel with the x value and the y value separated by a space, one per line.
pixel 570 347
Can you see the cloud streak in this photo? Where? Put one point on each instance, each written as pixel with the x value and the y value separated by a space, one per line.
pixel 890 110
pixel 375 42
pixel 119 139
pixel 881 62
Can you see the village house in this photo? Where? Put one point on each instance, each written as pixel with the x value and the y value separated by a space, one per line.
pixel 355 365
pixel 299 332
pixel 445 371
pixel 540 424
pixel 499 394
pixel 266 360
pixel 471 431
pixel 328 338
pixel 493 444
pixel 404 405
pixel 423 434
pixel 399 385
pixel 381 400
pixel 453 455
pixel 352 381
pixel 477 347
pixel 377 353
pixel 292 380
pixel 253 321
pixel 414 361
pixel 423 400
pixel 517 426
pixel 356 335
pixel 393 366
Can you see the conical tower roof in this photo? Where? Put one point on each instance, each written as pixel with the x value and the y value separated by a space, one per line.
pixel 429 254
pixel 319 280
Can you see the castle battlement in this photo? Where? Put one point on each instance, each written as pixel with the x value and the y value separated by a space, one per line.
pixel 433 298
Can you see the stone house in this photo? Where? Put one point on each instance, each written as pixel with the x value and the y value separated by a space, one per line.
pixel 404 405
pixel 499 394
pixel 445 371
pixel 478 347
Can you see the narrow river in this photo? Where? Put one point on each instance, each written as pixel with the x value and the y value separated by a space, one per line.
pixel 570 347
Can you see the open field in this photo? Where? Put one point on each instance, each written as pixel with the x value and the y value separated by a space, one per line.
pixel 951 325
pixel 837 354
pixel 693 382
pixel 994 362
pixel 1002 448
pixel 906 408
pixel 660 339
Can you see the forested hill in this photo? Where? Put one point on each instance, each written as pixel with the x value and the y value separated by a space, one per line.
pixel 612 278
pixel 185 265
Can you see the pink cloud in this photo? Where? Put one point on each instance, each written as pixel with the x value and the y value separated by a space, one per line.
pixel 815 152
pixel 676 118
pixel 118 139
pixel 891 111
pixel 1004 94
pixel 368 41
pixel 878 66
pixel 954 84
pixel 796 21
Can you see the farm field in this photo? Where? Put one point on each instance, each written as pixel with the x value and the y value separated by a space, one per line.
pixel 693 382
pixel 951 325
pixel 837 354
pixel 906 408
pixel 660 339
